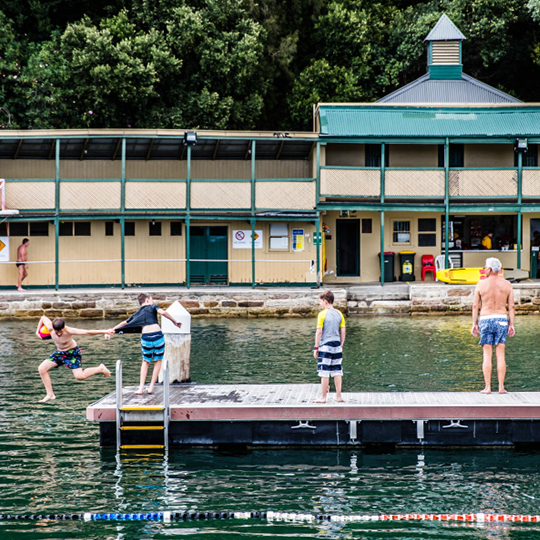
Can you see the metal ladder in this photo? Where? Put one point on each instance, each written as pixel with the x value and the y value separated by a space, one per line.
pixel 160 414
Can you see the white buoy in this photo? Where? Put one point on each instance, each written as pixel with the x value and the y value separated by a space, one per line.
pixel 177 343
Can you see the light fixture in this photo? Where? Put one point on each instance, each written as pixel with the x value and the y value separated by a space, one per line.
pixel 521 145
pixel 190 138
pixel 153 222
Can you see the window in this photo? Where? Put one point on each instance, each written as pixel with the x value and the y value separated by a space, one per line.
pixel 109 228
pixel 401 232
pixel 427 236
pixel 39 228
pixel 18 228
pixel 530 157
pixel 129 228
pixel 456 153
pixel 373 155
pixel 176 228
pixel 154 228
pixel 367 226
pixel 279 236
pixel 82 228
pixel 3 228
pixel 65 228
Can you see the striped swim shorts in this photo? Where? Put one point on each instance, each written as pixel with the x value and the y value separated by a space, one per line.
pixel 329 360
pixel 493 329
pixel 153 346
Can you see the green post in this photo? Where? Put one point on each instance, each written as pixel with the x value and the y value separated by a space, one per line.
pixel 252 178
pixel 252 253
pixel 253 200
pixel 520 176
pixel 188 213
pixel 519 231
pixel 122 212
pixel 383 170
pixel 382 248
pixel 446 200
pixel 57 213
pixel 318 175
pixel 123 249
pixel 519 240
pixel 318 247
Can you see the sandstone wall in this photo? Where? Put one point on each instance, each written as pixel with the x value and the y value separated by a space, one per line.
pixel 393 299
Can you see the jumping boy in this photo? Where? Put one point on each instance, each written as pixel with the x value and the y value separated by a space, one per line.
pixel 67 353
pixel 152 339
pixel 329 340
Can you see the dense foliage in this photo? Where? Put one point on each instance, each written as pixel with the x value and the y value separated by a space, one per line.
pixel 239 64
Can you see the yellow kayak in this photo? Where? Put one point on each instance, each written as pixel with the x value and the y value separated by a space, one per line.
pixel 463 276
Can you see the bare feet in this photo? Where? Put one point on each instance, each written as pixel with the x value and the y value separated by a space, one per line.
pixel 21 289
pixel 486 391
pixel 339 400
pixel 150 391
pixel 139 392
pixel 104 370
pixel 502 391
pixel 320 401
pixel 48 397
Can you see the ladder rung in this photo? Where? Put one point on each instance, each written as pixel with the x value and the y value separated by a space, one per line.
pixel 141 446
pixel 158 408
pixel 140 428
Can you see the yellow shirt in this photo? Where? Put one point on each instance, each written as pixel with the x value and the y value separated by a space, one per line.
pixel 486 242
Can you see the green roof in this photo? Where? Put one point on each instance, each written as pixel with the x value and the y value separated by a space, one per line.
pixel 387 121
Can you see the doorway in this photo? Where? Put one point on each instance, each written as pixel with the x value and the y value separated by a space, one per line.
pixel 348 247
pixel 208 255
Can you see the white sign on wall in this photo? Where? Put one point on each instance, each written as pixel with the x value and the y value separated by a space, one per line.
pixel 4 249
pixel 242 239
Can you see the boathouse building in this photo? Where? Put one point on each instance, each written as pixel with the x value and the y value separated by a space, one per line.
pixel 430 168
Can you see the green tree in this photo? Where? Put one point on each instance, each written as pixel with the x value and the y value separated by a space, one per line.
pixel 111 76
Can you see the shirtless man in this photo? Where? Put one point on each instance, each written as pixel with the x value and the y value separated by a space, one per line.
pixel 494 293
pixel 22 267
pixel 67 353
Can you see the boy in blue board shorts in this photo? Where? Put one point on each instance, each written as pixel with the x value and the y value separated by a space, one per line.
pixel 329 340
pixel 145 321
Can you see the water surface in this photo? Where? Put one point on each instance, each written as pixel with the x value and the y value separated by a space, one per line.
pixel 52 463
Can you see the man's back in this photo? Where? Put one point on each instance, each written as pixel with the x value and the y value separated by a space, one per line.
pixel 495 293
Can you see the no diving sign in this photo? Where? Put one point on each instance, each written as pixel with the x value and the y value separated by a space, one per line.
pixel 242 239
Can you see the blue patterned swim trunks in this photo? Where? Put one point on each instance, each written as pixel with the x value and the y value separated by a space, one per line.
pixel 153 346
pixel 329 359
pixel 493 329
pixel 70 358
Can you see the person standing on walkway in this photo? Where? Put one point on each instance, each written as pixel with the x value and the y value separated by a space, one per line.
pixel 496 321
pixel 22 267
pixel 329 340
pixel 67 353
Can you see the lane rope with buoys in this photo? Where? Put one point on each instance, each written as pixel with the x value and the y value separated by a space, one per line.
pixel 273 516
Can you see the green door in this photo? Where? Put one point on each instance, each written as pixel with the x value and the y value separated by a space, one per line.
pixel 208 255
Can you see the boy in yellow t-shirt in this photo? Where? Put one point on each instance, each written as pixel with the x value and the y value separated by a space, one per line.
pixel 329 340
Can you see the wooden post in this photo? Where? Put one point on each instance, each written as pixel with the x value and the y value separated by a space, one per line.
pixel 177 344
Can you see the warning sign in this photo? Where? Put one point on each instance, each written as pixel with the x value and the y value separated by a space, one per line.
pixel 242 239
pixel 4 249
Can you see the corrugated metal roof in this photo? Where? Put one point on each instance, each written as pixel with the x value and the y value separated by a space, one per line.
pixel 152 147
pixel 377 121
pixel 464 90
pixel 445 30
